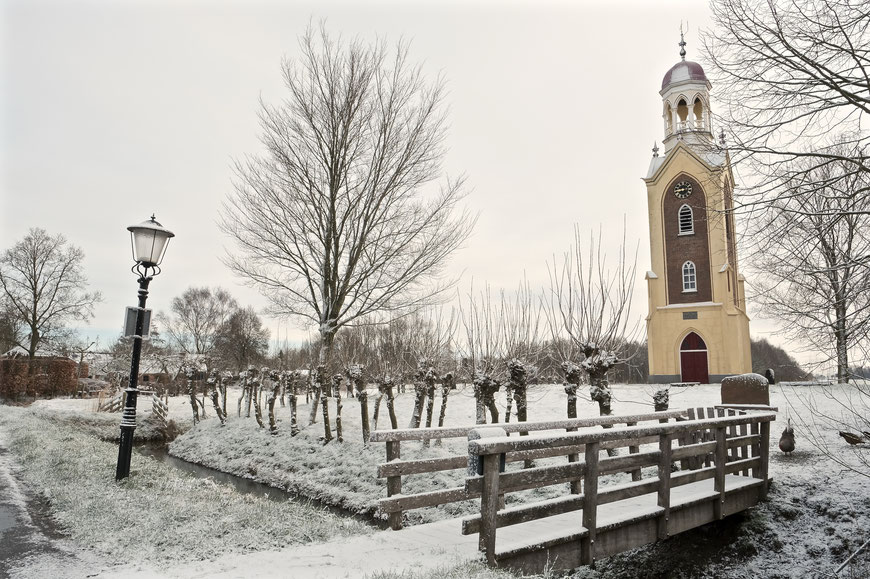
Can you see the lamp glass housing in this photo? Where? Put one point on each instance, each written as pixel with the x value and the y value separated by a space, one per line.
pixel 149 240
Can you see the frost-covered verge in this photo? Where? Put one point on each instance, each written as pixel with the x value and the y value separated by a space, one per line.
pixel 159 515
pixel 107 426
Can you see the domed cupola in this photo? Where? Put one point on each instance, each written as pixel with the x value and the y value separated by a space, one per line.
pixel 686 103
pixel 684 71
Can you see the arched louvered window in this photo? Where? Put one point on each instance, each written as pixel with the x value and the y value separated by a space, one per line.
pixel 690 280
pixel 687 224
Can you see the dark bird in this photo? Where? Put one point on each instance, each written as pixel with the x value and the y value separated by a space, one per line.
pixel 786 441
pixel 852 438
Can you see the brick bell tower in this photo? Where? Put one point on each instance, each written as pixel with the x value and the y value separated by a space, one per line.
pixel 697 327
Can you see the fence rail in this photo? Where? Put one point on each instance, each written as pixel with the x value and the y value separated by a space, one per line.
pixel 394 469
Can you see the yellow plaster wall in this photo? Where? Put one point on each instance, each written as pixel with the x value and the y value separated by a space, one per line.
pixel 723 326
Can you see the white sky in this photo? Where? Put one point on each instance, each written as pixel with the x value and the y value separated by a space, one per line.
pixel 114 110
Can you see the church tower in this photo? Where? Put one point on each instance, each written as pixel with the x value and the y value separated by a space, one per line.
pixel 697 327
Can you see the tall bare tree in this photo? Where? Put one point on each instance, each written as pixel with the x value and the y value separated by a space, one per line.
pixel 339 219
pixel 197 316
pixel 812 258
pixel 44 284
pixel 793 78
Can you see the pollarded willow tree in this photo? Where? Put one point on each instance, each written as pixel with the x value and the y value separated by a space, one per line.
pixel 589 315
pixel 341 217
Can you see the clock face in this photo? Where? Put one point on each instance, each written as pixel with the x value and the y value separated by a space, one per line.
pixel 682 189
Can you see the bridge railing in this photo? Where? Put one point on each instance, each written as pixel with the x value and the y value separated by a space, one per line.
pixel 394 469
pixel 736 443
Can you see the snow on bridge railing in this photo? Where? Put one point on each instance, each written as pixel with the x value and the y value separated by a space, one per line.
pixel 733 448
pixel 394 468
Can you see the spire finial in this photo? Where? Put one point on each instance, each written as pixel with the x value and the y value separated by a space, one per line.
pixel 682 43
pixel 722 137
pixel 655 149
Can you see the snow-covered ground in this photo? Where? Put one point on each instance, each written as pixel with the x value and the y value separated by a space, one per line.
pixel 818 511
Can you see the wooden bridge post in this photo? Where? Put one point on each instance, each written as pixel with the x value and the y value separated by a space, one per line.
pixel 489 501
pixel 635 474
pixel 394 483
pixel 719 480
pixel 664 497
pixel 754 449
pixel 574 484
pixel 764 454
pixel 590 504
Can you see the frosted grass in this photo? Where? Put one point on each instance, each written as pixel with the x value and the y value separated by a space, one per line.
pixel 158 515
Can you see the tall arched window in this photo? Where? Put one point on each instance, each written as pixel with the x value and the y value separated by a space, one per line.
pixel 690 280
pixel 687 224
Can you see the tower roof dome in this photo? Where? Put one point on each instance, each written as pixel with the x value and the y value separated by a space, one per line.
pixel 685 70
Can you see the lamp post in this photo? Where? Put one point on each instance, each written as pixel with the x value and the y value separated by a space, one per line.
pixel 149 240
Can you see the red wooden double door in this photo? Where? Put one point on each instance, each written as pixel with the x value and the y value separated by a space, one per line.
pixel 693 360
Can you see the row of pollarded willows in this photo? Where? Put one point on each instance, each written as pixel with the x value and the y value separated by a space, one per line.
pixel 578 329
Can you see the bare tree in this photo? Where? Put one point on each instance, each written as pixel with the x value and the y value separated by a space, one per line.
pixel 482 350
pixel 392 345
pixel 10 328
pixel 43 282
pixel 521 346
pixel 242 338
pixel 793 78
pixel 589 314
pixel 811 257
pixel 197 316
pixel 334 222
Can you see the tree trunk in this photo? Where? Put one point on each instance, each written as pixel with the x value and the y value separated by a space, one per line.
pixel 377 411
pixel 489 400
pixel 336 381
pixel 601 393
pixel 419 400
pixel 842 344
pixel 572 382
pixel 509 400
pixel 217 407
pixel 258 408
pixel 194 404
pixel 391 407
pixel 359 387
pixel 294 425
pixel 364 415
pixel 519 386
pixel 446 386
pixel 661 400
pixel 273 424
pixel 327 431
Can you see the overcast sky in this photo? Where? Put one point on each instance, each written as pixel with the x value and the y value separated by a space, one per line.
pixel 114 110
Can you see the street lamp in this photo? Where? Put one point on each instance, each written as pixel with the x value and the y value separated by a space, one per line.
pixel 149 240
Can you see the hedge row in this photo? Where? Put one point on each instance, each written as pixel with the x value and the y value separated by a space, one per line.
pixel 37 378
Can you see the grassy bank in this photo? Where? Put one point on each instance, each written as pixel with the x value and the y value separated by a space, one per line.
pixel 159 515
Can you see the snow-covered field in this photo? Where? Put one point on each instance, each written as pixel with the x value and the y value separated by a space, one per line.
pixel 817 514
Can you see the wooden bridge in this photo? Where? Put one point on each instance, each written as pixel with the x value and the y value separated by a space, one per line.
pixel 609 506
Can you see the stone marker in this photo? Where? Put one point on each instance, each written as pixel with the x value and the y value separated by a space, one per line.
pixel 745 389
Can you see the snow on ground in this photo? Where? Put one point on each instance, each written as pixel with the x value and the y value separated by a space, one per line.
pixel 159 516
pixel 817 514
